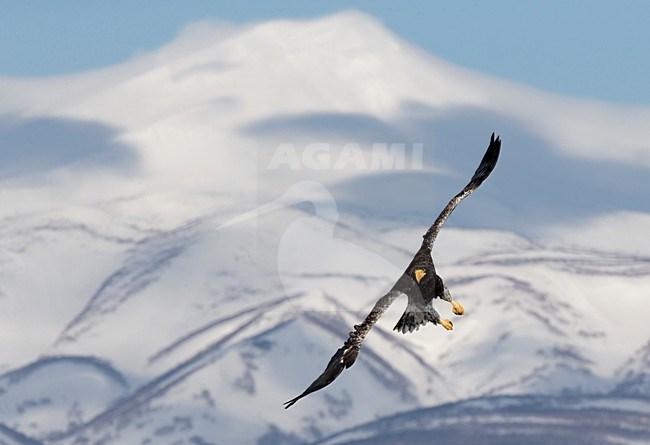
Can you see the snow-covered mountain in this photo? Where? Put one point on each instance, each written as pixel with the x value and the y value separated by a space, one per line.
pixel 166 280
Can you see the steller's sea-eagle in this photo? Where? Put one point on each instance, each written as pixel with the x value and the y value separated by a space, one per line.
pixel 419 282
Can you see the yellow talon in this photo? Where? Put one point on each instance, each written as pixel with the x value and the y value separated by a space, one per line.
pixel 448 325
pixel 419 274
pixel 458 309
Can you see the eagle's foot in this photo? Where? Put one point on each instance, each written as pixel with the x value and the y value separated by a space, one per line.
pixel 457 308
pixel 448 325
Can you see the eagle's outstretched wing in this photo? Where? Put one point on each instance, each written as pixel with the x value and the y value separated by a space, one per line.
pixel 347 354
pixel 484 169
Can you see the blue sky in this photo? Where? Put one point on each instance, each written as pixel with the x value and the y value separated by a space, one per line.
pixel 586 48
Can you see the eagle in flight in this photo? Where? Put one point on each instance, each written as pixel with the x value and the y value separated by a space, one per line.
pixel 419 282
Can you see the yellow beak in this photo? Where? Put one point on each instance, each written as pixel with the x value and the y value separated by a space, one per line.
pixel 419 274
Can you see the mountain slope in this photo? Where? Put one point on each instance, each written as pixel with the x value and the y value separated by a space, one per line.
pixel 205 365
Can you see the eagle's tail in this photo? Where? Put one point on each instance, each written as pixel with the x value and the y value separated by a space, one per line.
pixel 415 316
